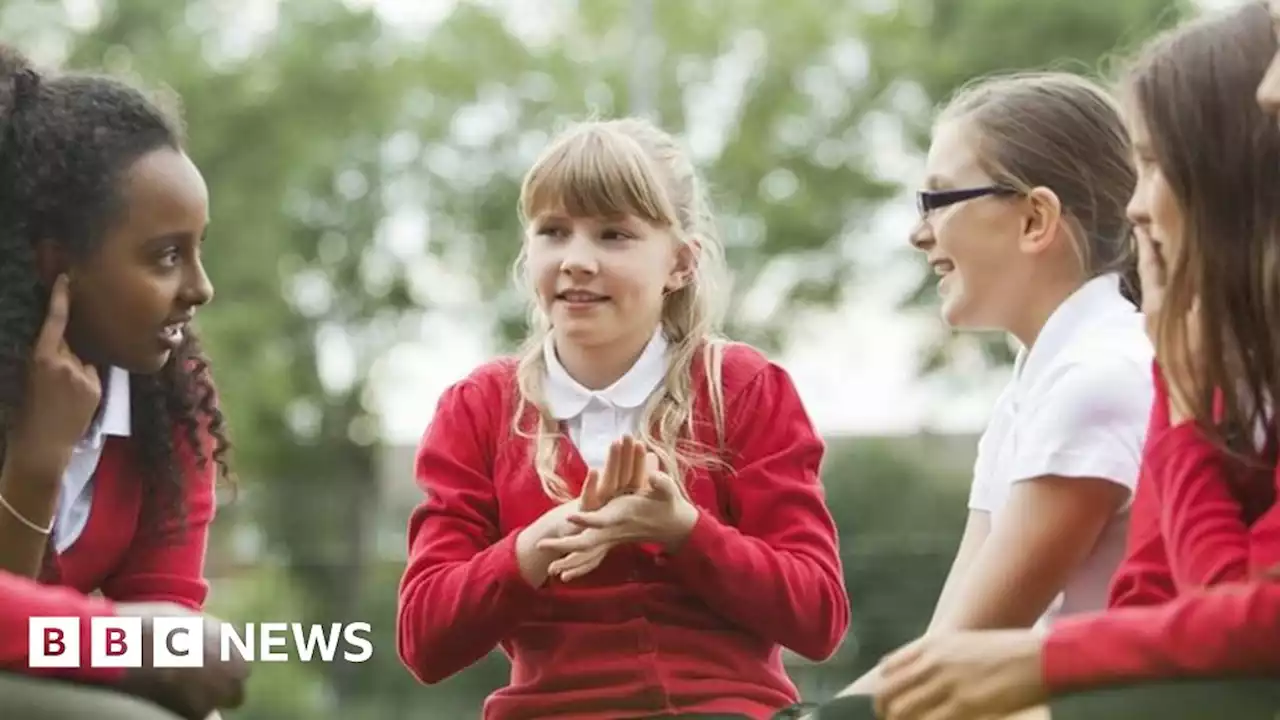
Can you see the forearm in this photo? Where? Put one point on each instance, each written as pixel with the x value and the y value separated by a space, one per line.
pixel 946 600
pixel 1230 630
pixel 786 595
pixel 452 613
pixel 534 563
pixel 22 599
pixel 865 685
pixel 989 598
pixel 29 500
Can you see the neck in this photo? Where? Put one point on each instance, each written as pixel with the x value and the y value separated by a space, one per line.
pixel 599 366
pixel 1035 311
pixel 104 376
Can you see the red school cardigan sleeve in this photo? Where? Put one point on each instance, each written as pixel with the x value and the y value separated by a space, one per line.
pixel 776 570
pixel 1201 520
pixel 167 563
pixel 1230 630
pixel 462 591
pixel 22 598
pixel 1143 576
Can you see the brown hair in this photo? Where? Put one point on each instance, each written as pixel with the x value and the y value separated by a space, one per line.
pixel 1194 89
pixel 1064 132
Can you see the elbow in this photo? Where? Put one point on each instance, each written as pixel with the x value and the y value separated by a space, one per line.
pixel 821 647
pixel 421 647
pixel 415 654
pixel 424 668
pixel 824 638
pixel 820 650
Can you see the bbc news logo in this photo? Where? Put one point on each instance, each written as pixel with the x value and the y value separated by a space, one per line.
pixel 116 642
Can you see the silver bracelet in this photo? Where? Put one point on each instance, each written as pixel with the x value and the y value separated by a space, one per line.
pixel 22 519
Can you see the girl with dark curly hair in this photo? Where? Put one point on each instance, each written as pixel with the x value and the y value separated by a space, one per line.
pixel 110 433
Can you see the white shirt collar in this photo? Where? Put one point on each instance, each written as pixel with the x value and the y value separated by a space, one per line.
pixel 567 398
pixel 1097 299
pixel 116 417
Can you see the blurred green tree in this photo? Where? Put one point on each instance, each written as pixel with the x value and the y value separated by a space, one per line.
pixel 321 131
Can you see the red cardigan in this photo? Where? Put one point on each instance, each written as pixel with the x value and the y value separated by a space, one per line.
pixel 646 633
pixel 1230 630
pixel 1188 531
pixel 113 558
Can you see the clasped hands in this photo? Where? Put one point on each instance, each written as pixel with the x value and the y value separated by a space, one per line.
pixel 631 500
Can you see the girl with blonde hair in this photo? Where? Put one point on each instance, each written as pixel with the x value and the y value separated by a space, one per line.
pixel 631 507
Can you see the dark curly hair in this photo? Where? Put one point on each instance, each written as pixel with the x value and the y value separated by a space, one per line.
pixel 65 143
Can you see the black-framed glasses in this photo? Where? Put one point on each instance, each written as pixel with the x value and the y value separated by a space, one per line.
pixel 930 200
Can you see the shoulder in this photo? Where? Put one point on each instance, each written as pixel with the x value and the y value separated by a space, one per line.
pixel 493 376
pixel 1099 388
pixel 1099 375
pixel 1115 339
pixel 744 368
pixel 756 388
pixel 481 395
pixel 1108 365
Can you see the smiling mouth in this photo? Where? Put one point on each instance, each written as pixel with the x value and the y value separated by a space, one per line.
pixel 942 267
pixel 580 297
pixel 173 333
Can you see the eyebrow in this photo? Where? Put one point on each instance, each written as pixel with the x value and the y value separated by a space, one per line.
pixel 547 217
pixel 178 236
pixel 934 182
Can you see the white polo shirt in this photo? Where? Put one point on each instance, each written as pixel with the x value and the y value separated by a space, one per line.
pixel 1077 406
pixel 596 419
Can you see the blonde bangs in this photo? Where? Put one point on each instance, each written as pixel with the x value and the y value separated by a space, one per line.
pixel 596 172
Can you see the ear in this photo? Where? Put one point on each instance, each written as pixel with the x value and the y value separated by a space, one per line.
pixel 1041 223
pixel 52 260
pixel 686 263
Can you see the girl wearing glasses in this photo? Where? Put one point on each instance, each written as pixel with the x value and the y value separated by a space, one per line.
pixel 1023 221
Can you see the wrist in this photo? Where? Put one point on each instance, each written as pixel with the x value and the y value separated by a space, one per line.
pixel 685 518
pixel 533 562
pixel 38 470
pixel 1026 667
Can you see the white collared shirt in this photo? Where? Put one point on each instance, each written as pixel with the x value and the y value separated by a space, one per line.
pixel 1077 406
pixel 596 419
pixel 76 495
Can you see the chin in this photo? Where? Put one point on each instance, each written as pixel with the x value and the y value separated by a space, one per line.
pixel 580 336
pixel 585 334
pixel 955 314
pixel 149 365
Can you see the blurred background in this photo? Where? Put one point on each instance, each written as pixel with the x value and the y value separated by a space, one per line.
pixel 364 158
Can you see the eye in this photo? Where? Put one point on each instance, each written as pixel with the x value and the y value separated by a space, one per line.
pixel 555 232
pixel 616 234
pixel 169 257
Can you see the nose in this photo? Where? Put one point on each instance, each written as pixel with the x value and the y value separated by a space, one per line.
pixel 1136 210
pixel 197 290
pixel 579 257
pixel 921 237
pixel 1269 89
